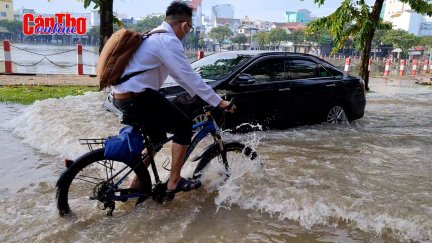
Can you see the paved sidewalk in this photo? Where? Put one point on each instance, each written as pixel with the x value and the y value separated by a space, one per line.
pixel 48 79
pixel 419 79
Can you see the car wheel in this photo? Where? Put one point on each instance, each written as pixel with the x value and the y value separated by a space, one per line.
pixel 337 115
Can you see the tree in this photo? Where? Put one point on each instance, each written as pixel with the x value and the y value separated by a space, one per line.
pixel 240 39
pixel 401 39
pixel 377 39
pixel 93 34
pixel 426 41
pixel 220 33
pixel 191 40
pixel 148 23
pixel 296 36
pixel 201 42
pixel 14 27
pixel 261 38
pixel 276 36
pixel 357 19
pixel 107 19
pixel 318 38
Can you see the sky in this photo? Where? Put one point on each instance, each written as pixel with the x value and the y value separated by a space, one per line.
pixel 271 10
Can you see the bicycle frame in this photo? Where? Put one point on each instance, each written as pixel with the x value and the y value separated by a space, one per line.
pixel 208 126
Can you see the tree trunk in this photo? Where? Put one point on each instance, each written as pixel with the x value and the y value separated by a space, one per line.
pixel 374 16
pixel 106 22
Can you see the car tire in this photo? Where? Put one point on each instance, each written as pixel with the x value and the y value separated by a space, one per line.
pixel 337 115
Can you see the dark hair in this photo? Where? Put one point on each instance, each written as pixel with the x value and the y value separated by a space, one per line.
pixel 178 10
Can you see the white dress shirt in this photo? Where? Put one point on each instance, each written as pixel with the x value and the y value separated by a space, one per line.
pixel 162 54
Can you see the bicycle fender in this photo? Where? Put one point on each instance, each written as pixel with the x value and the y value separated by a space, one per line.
pixel 199 157
pixel 73 164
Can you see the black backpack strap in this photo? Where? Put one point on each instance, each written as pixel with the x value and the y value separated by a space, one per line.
pixel 145 36
pixel 130 75
pixel 149 33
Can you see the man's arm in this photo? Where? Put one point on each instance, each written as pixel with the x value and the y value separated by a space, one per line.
pixel 173 56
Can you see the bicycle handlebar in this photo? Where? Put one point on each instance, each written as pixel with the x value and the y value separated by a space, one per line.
pixel 227 108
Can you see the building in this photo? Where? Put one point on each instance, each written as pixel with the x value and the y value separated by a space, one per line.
pixel 155 15
pixel 300 16
pixel 207 24
pixel 7 10
pixel 262 25
pixel 233 24
pixel 223 11
pixel 20 12
pixel 247 21
pixel 196 14
pixel 403 17
pixel 94 18
pixel 289 27
pixel 248 30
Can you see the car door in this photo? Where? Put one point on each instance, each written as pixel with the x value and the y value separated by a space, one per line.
pixel 257 91
pixel 312 88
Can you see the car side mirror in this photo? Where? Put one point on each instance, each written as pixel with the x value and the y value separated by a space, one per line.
pixel 244 78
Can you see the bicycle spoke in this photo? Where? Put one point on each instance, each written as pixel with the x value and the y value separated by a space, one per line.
pixel 79 178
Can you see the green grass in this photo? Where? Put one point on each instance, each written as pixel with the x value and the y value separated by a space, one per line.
pixel 29 94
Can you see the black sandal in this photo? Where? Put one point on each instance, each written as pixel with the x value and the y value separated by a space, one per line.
pixel 183 185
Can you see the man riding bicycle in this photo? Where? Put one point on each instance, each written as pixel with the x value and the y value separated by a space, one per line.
pixel 163 54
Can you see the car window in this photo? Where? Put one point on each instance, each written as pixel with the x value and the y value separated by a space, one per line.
pixel 219 65
pixel 333 71
pixel 303 68
pixel 323 72
pixel 268 70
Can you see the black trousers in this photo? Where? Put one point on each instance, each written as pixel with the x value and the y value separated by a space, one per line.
pixel 158 116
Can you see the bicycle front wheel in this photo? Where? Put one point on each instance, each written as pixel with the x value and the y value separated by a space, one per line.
pixel 83 187
pixel 220 164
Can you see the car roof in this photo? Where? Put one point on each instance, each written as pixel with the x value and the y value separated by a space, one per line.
pixel 264 53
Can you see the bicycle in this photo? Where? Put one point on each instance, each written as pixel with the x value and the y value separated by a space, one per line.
pixel 104 181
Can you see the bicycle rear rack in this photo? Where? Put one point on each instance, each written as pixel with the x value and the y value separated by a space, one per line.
pixel 92 143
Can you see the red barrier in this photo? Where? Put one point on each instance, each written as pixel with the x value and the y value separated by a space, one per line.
pixel 7 56
pixel 402 67
pixel 200 54
pixel 370 64
pixel 80 69
pixel 430 66
pixel 387 67
pixel 425 66
pixel 347 65
pixel 414 67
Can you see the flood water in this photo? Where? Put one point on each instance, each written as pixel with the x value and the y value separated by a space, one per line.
pixel 369 182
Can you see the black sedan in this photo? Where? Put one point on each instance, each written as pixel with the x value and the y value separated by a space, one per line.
pixel 275 89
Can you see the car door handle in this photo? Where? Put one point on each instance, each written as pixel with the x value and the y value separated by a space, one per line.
pixel 330 85
pixel 285 89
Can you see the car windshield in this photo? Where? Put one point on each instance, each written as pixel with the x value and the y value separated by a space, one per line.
pixel 219 65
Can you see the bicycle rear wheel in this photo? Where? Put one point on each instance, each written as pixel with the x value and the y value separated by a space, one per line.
pixel 82 187
pixel 212 159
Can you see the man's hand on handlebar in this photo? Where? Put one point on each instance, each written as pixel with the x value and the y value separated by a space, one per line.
pixel 227 106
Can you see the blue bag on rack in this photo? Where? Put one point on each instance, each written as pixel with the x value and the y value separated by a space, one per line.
pixel 125 147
